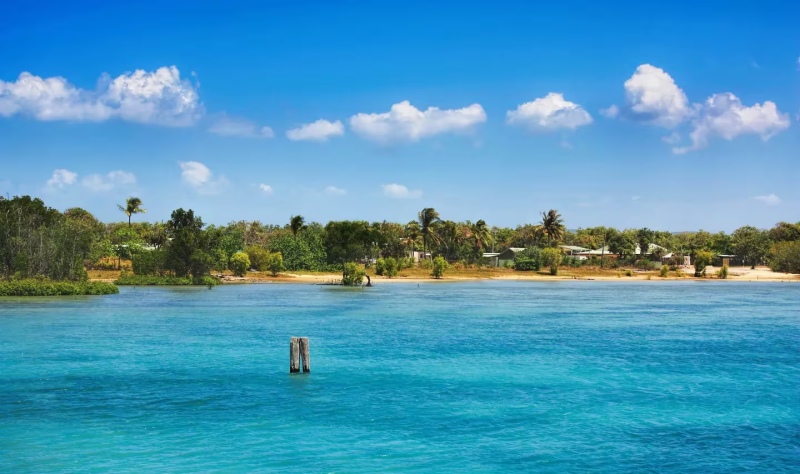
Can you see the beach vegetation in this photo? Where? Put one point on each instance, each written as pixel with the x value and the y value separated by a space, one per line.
pixel 751 245
pixel 784 256
pixel 240 263
pixel 353 274
pixel 702 259
pixel 46 287
pixel 664 272
pixel 439 267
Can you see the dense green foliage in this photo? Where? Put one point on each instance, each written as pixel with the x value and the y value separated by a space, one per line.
pixel 702 259
pixel 528 260
pixel 45 287
pixel 751 244
pixel 240 263
pixel 785 257
pixel 390 267
pixel 275 263
pixel 36 240
pixel 551 257
pixel 722 273
pixel 353 274
pixel 154 280
pixel 439 267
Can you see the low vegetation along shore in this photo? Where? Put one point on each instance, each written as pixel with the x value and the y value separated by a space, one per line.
pixel 44 251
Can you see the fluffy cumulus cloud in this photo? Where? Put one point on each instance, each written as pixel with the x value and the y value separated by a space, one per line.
pixel 769 199
pixel 653 96
pixel 199 176
pixel 398 191
pixel 156 97
pixel 548 113
pixel 109 181
pixel 237 127
pixel 404 122
pixel 265 188
pixel 724 115
pixel 318 131
pixel 60 178
pixel 334 191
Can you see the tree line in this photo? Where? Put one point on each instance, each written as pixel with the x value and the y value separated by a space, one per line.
pixel 38 240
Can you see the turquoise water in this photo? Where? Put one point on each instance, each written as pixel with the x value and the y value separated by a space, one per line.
pixel 483 377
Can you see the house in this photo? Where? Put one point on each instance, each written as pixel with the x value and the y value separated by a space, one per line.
pixel 651 249
pixel 506 257
pixel 572 249
pixel 491 257
pixel 601 252
pixel 417 255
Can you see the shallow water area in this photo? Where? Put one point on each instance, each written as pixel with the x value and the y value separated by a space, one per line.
pixel 483 376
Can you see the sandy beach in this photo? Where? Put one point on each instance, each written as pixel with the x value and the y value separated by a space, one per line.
pixel 763 274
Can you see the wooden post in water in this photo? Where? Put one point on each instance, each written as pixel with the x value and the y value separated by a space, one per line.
pixel 294 355
pixel 305 355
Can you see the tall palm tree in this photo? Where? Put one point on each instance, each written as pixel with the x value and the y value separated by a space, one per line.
pixel 412 233
pixel 132 206
pixel 297 223
pixel 552 226
pixel 428 219
pixel 481 234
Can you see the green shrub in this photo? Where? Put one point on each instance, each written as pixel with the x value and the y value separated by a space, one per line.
pixel 380 266
pixel 353 274
pixel 45 287
pixel 527 260
pixel 390 267
pixel 664 272
pixel 628 273
pixel 153 280
pixel 149 262
pixel 425 264
pixel 275 263
pixel 723 272
pixel 240 263
pixel 439 267
pixel 551 257
pixel 785 257
pixel 259 257
pixel 702 259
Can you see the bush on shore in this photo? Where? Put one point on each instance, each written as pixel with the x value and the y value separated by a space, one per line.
pixel 45 287
pixel 154 280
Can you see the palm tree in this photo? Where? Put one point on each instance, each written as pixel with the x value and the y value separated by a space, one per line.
pixel 412 233
pixel 297 223
pixel 428 220
pixel 481 234
pixel 132 206
pixel 552 226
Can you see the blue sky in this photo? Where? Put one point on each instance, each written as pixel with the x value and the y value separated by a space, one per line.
pixel 679 117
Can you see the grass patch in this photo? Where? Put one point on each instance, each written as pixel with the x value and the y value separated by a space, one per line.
pixel 43 287
pixel 155 280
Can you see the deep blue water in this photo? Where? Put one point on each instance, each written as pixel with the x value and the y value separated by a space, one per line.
pixel 483 377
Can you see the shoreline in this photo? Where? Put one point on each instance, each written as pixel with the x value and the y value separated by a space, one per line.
pixel 760 274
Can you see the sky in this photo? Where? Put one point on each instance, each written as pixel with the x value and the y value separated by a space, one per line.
pixel 678 117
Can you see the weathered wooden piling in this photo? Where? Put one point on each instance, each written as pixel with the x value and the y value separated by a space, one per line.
pixel 305 355
pixel 294 355
pixel 298 349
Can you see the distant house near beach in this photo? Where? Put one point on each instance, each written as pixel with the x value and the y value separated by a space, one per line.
pixel 491 258
pixel 506 257
pixel 417 255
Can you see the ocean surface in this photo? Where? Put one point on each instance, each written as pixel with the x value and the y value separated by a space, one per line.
pixel 450 377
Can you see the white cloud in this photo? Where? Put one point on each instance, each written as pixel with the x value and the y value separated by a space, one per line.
pixel 200 177
pixel 319 131
pixel 724 115
pixel 158 97
pixel 107 182
pixel 398 191
pixel 770 199
pixel 60 178
pixel 237 127
pixel 653 96
pixel 551 112
pixel 334 191
pixel 404 122
pixel 611 112
pixel 266 188
pixel 672 139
